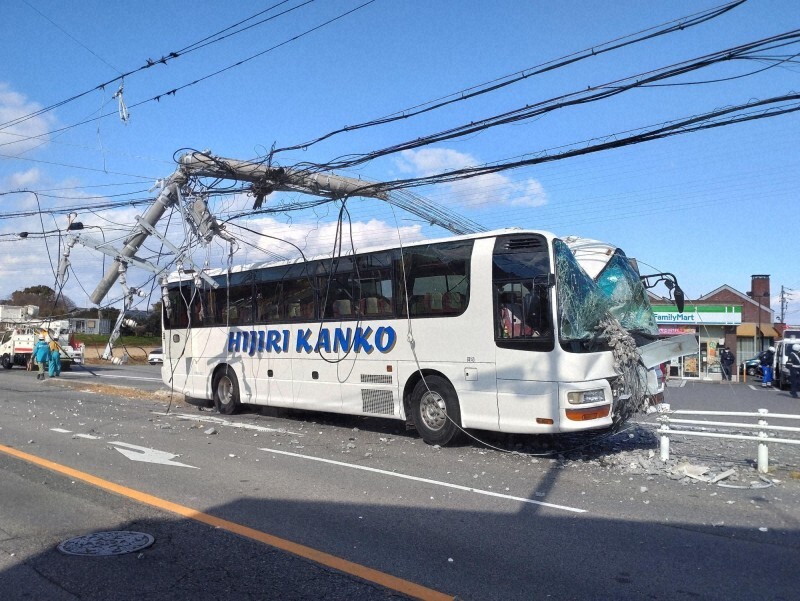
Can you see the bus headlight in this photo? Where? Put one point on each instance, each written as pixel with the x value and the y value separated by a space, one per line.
pixel 581 397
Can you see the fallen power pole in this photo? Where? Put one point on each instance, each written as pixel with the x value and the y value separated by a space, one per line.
pixel 197 164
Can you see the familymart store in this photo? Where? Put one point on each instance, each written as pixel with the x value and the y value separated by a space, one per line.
pixel 710 323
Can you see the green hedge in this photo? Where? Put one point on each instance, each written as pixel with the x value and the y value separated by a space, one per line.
pixel 102 340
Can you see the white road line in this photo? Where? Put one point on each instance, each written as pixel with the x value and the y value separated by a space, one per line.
pixel 130 377
pixel 224 422
pixel 86 436
pixel 428 481
pixel 60 430
pixel 751 387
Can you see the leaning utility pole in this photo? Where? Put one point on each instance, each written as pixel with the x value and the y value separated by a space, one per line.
pixel 267 180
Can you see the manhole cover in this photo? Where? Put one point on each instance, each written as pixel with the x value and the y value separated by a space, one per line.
pixel 116 542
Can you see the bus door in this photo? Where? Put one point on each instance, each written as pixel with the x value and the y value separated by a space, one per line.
pixel 527 394
pixel 176 336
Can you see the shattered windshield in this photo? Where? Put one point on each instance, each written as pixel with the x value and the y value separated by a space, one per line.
pixel 581 303
pixel 620 282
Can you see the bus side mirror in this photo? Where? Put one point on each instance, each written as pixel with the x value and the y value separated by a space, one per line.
pixel 679 298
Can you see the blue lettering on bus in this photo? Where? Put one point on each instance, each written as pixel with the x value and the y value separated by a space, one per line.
pixel 323 341
pixel 385 339
pixel 273 338
pixel 338 339
pixel 302 341
pixel 342 341
pixel 234 341
pixel 361 341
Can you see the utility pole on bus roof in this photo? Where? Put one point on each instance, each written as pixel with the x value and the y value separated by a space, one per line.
pixel 204 164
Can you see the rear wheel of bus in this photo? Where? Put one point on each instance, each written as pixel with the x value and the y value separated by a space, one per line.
pixel 226 391
pixel 435 411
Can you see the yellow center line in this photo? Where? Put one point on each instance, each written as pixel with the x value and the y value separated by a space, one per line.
pixel 326 559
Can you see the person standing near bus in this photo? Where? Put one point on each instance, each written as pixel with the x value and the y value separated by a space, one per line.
pixel 41 352
pixel 55 359
pixel 727 359
pixel 793 362
pixel 767 357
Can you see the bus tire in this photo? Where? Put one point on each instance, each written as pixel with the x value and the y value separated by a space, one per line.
pixel 226 391
pixel 7 362
pixel 435 411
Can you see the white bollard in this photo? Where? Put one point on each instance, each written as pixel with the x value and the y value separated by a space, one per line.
pixel 664 443
pixel 763 450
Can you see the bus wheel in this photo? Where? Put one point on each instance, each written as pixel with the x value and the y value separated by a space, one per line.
pixel 435 411
pixel 226 392
pixel 7 362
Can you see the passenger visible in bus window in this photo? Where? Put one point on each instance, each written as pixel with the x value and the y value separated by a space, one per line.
pixel 512 317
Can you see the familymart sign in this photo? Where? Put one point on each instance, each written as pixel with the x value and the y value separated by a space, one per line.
pixel 728 315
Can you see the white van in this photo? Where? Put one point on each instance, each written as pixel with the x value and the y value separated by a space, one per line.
pixel 780 369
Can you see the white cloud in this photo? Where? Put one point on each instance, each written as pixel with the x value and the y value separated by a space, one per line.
pixel 430 161
pixel 25 135
pixel 484 191
pixel 318 239
pixel 24 179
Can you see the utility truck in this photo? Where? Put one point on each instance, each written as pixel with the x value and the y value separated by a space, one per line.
pixel 16 345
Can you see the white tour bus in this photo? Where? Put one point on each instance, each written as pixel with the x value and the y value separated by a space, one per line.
pixel 495 331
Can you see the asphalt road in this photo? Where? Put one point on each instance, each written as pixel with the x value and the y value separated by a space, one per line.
pixel 142 377
pixel 378 513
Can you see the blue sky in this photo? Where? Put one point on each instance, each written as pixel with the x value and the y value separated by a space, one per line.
pixel 712 207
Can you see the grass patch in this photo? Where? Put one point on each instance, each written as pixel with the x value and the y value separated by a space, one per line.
pixel 102 340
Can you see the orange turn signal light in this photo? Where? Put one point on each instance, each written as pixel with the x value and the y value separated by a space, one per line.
pixel 587 413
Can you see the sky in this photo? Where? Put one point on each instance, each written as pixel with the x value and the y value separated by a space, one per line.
pixel 712 207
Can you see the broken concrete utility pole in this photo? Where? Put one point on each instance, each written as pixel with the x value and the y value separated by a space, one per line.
pixel 199 164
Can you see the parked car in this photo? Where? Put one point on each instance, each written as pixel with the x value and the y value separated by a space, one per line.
pixel 156 357
pixel 752 366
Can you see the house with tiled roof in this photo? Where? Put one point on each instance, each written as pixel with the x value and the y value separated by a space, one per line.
pixel 724 317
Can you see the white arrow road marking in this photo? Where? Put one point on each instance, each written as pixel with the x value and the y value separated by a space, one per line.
pixel 137 453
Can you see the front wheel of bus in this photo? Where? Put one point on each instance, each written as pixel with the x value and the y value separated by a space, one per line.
pixel 226 392
pixel 436 415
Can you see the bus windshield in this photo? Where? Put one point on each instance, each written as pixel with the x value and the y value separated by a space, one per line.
pixel 620 282
pixel 581 303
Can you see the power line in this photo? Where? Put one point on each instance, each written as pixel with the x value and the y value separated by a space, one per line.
pixel 148 64
pixel 174 91
pixel 669 129
pixel 72 37
pixel 506 80
pixel 7 156
pixel 581 97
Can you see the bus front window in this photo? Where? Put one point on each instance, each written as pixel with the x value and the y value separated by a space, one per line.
pixel 620 282
pixel 581 304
